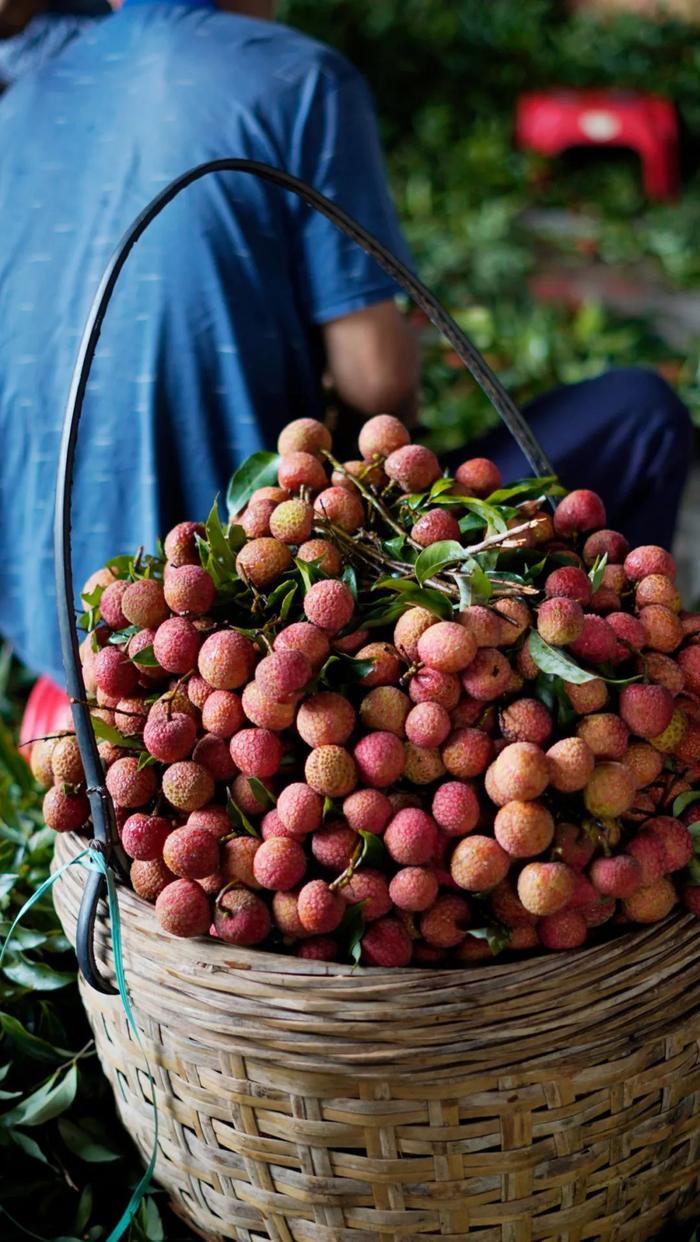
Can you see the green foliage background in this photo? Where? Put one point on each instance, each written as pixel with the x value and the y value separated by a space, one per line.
pixel 445 76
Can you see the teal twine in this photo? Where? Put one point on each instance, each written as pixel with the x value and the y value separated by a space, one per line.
pixel 93 858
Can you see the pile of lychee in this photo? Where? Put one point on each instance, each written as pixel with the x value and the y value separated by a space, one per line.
pixel 389 717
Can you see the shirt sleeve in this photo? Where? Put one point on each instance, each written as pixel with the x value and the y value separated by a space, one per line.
pixel 336 149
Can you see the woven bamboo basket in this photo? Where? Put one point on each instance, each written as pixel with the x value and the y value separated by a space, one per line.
pixel 555 1098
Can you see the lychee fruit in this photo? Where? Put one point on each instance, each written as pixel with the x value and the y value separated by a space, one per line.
pixel 413 888
pixel 580 511
pixel 300 808
pixel 226 659
pixel 256 752
pixel 526 720
pixel 434 526
pixel 651 904
pixel 422 765
pixel 371 888
pixel 381 436
pixel 334 846
pixel 279 864
pixel 282 675
pixel 148 879
pixel 306 638
pixel 646 710
pixel 241 917
pixel 128 786
pixel 170 739
pixel 66 764
pixel 176 645
pixel 508 908
pixel 285 914
pixel 467 752
pixel 264 712
pixel 569 582
pixel 649 559
pixel 304 435
pixel 516 619
pixel 484 623
pixel 524 829
pixel 428 685
pixel 320 909
pixel 324 553
pixel 182 908
pixel 644 762
pixel 212 753
pixel 300 469
pixel 385 708
pixel 331 771
pixel 662 628
pixel 111 604
pixel 317 949
pixel 445 924
pixel 608 543
pixel 428 725
pixel 326 719
pixel 565 930
pixel 629 632
pixel 329 605
pixel 520 773
pixel 675 838
pixel 610 791
pixel 272 826
pixel 130 717
pixel 292 521
pixel 657 589
pixel 648 849
pixel 143 604
pixel 411 837
pixel 186 785
pixel 349 644
pixel 189 589
pixel 362 471
pixel 571 764
pixel 386 943
pixel 413 467
pixel 447 647
pixel 380 758
pixel 367 810
pixel 143 836
pixel 672 735
pixel 597 643
pixel 689 663
pixel 340 507
pixel 214 818
pixel 114 672
pixel 455 808
pixel 244 797
pixel 619 876
pixel 478 477
pixel 408 629
pixel 546 887
pixel 40 761
pixel 560 621
pixel 386 664
pixel 605 734
pixel 478 864
pixel 65 812
pixel 191 853
pixel 222 713
pixel 487 676
pixel 589 697
pixel 256 519
pixel 262 562
pixel 180 544
pixel 691 898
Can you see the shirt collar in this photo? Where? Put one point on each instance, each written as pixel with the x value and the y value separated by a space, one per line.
pixel 187 4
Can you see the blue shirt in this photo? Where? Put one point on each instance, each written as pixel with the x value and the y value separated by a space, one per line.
pixel 42 39
pixel 211 341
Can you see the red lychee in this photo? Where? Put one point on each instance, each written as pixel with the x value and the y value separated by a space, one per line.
pixel 608 543
pixel 329 605
pixel 478 477
pixel 367 810
pixel 478 864
pixel 524 829
pixel 143 836
pixel 649 559
pixel 619 876
pixel 560 621
pixel 580 511
pixel 301 636
pixel 385 708
pixel 143 604
pixel 411 837
pixel 434 526
pixel 546 887
pixel 447 647
pixel 675 838
pixel 334 846
pixel 455 808
pixel 65 812
pixel 300 808
pixel 597 643
pixel 526 720
pixel 565 930
pixel 408 629
pixel 226 659
pixel 342 508
pixel 279 864
pixel 413 888
pixel 262 562
pixel 571 763
pixel 320 909
pixel 467 752
pixel 241 917
pixel 487 676
pixel 325 554
pixel 182 908
pixel 300 469
pixel 569 583
pixel 386 943
pixel 430 686
pixel 610 791
pixel 369 887
pixel 380 759
pixel 413 467
pixel 292 521
pixel 256 752
pixel 445 924
pixel 127 785
pixel 180 544
pixel 304 435
pixel 331 771
pixel 381 436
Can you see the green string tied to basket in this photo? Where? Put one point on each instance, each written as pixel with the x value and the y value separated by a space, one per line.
pixel 93 859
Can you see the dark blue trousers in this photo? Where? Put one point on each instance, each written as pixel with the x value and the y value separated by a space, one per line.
pixel 625 435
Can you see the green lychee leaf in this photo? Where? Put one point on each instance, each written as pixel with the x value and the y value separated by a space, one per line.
pixel 684 800
pixel 107 733
pixel 146 760
pixel 235 537
pixel 373 851
pixel 240 821
pixel 596 572
pixel 433 559
pixel 92 598
pixel 397 547
pixel 309 572
pixel 330 808
pixel 498 937
pixel 281 599
pixel 117 637
pixel 482 590
pixel 351 929
pixel 494 519
pixel 349 577
pixel 260 470
pixel 693 870
pixel 261 792
pixel 343 670
pixel 145 658
pixel 470 524
pixel 220 548
pixel 407 595
pixel 554 660
pixel 528 489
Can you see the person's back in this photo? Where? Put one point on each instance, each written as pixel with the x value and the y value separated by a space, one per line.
pixel 211 341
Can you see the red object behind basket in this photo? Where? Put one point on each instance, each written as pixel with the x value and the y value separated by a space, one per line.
pixel 47 712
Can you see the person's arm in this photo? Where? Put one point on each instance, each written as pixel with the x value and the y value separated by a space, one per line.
pixel 373 360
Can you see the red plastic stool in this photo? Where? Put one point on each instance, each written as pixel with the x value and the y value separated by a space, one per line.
pixel 551 121
pixel 47 712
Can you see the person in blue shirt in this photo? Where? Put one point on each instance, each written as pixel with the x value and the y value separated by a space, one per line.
pixel 232 305
pixel 32 32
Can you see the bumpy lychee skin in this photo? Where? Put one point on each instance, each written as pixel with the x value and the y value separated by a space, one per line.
pixel 411 837
pixel 170 740
pixel 256 519
pixel 675 838
pixel 244 797
pixel 176 645
pixel 644 761
pixel 413 889
pixel 222 713
pixel 226 659
pixel 571 764
pixel 608 543
pixel 385 708
pixel 143 604
pixel 173 701
pixel 326 719
pixel 189 589
pixel 380 759
pixel 272 826
pixel 573 846
pixel 580 511
pixel 479 863
pixel 186 785
pixel 320 909
pixel 180 544
pixel 672 736
pixel 256 752
pixel 560 621
pixel 334 846
pixel 524 829
pixel 605 734
pixel 508 908
pixel 143 836
pixel 182 908
pixel 662 628
pixel 657 589
pixel 66 764
pixel 279 864
pixel 565 930
pixel 367 810
pixel 285 914
pixel 369 887
pixel 520 773
pixel 445 924
pixel 148 879
pixel 40 761
pixel 318 949
pixel 331 771
pixel 478 477
pixel 306 638
pixel 350 643
pixel 191 853
pixel 447 647
pixel 689 663
pixel 341 508
pixel 386 664
pixel 619 876
pixel 428 725
pixel 292 521
pixel 129 787
pixel 363 471
pixel 526 720
pixel 610 791
pixel 649 559
pixel 487 676
pixel 434 526
pixel 423 765
pixel 328 557
pixel 282 675
pixel 304 435
pixel 648 849
pixel 381 436
pixel 214 818
pixel 413 467
pixel 569 582
pixel 589 697
pixel 386 943
pixel 408 629
pixel 300 469
pixel 430 686
pixel 546 887
pixel 212 753
pixel 646 710
pixel 262 562
pixel 111 604
pixel 516 619
pixel 651 904
pixel 65 812
pixel 300 808
pixel 329 605
pixel 114 673
pixel 467 752
pixel 484 623
pixel 629 632
pixel 597 643
pixel 130 717
pixel 455 808
pixel 241 918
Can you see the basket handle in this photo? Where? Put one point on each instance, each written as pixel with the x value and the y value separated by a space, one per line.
pixel 102 809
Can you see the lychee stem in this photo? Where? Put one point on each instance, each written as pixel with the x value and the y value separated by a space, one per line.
pixel 373 500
